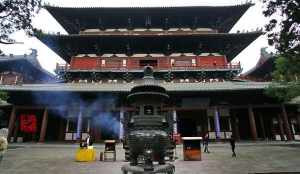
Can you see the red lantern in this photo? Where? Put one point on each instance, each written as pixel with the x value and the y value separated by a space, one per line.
pixel 28 123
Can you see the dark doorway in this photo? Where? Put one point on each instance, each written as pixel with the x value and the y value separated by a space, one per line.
pixel 55 126
pixel 4 117
pixel 244 125
pixel 192 123
pixel 187 127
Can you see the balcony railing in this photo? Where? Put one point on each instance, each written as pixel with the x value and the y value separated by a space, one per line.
pixel 229 66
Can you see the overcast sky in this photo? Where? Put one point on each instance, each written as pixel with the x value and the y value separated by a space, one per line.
pixel 251 20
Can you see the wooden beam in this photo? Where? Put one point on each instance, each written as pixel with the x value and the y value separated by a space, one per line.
pixel 220 106
pixel 41 107
pixel 254 106
pixel 164 108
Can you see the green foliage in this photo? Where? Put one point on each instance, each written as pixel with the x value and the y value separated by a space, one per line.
pixel 16 15
pixel 3 95
pixel 286 78
pixel 288 37
pixel 286 84
pixel 284 92
pixel 287 68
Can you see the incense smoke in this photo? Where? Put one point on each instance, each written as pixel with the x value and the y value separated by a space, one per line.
pixel 97 108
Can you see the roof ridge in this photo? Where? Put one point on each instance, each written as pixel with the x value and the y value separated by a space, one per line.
pixel 172 4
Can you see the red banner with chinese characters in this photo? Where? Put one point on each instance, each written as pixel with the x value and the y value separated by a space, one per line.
pixel 28 123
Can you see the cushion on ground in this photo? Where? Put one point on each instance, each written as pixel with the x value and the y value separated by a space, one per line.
pixel 85 154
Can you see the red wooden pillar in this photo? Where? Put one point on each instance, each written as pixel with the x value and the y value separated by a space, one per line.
pixel 11 123
pixel 44 126
pixel 252 123
pixel 281 131
pixel 286 123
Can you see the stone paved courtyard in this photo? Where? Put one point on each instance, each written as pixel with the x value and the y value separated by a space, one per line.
pixel 59 159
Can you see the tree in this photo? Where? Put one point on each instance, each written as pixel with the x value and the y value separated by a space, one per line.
pixel 16 15
pixel 286 83
pixel 287 38
pixel 285 35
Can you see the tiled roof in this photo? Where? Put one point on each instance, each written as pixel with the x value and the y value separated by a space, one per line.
pixel 219 16
pixel 229 44
pixel 126 87
pixel 264 64
pixel 31 59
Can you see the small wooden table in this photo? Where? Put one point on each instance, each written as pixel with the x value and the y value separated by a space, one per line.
pixel 192 148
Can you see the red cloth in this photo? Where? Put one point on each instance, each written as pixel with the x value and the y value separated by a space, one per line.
pixel 28 123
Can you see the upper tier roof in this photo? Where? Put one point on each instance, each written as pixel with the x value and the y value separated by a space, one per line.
pixel 221 18
pixel 230 45
pixel 25 64
pixel 264 67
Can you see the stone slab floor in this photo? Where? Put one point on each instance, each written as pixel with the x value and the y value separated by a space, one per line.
pixel 59 159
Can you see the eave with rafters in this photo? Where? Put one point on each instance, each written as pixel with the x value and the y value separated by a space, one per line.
pixel 227 44
pixel 221 18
